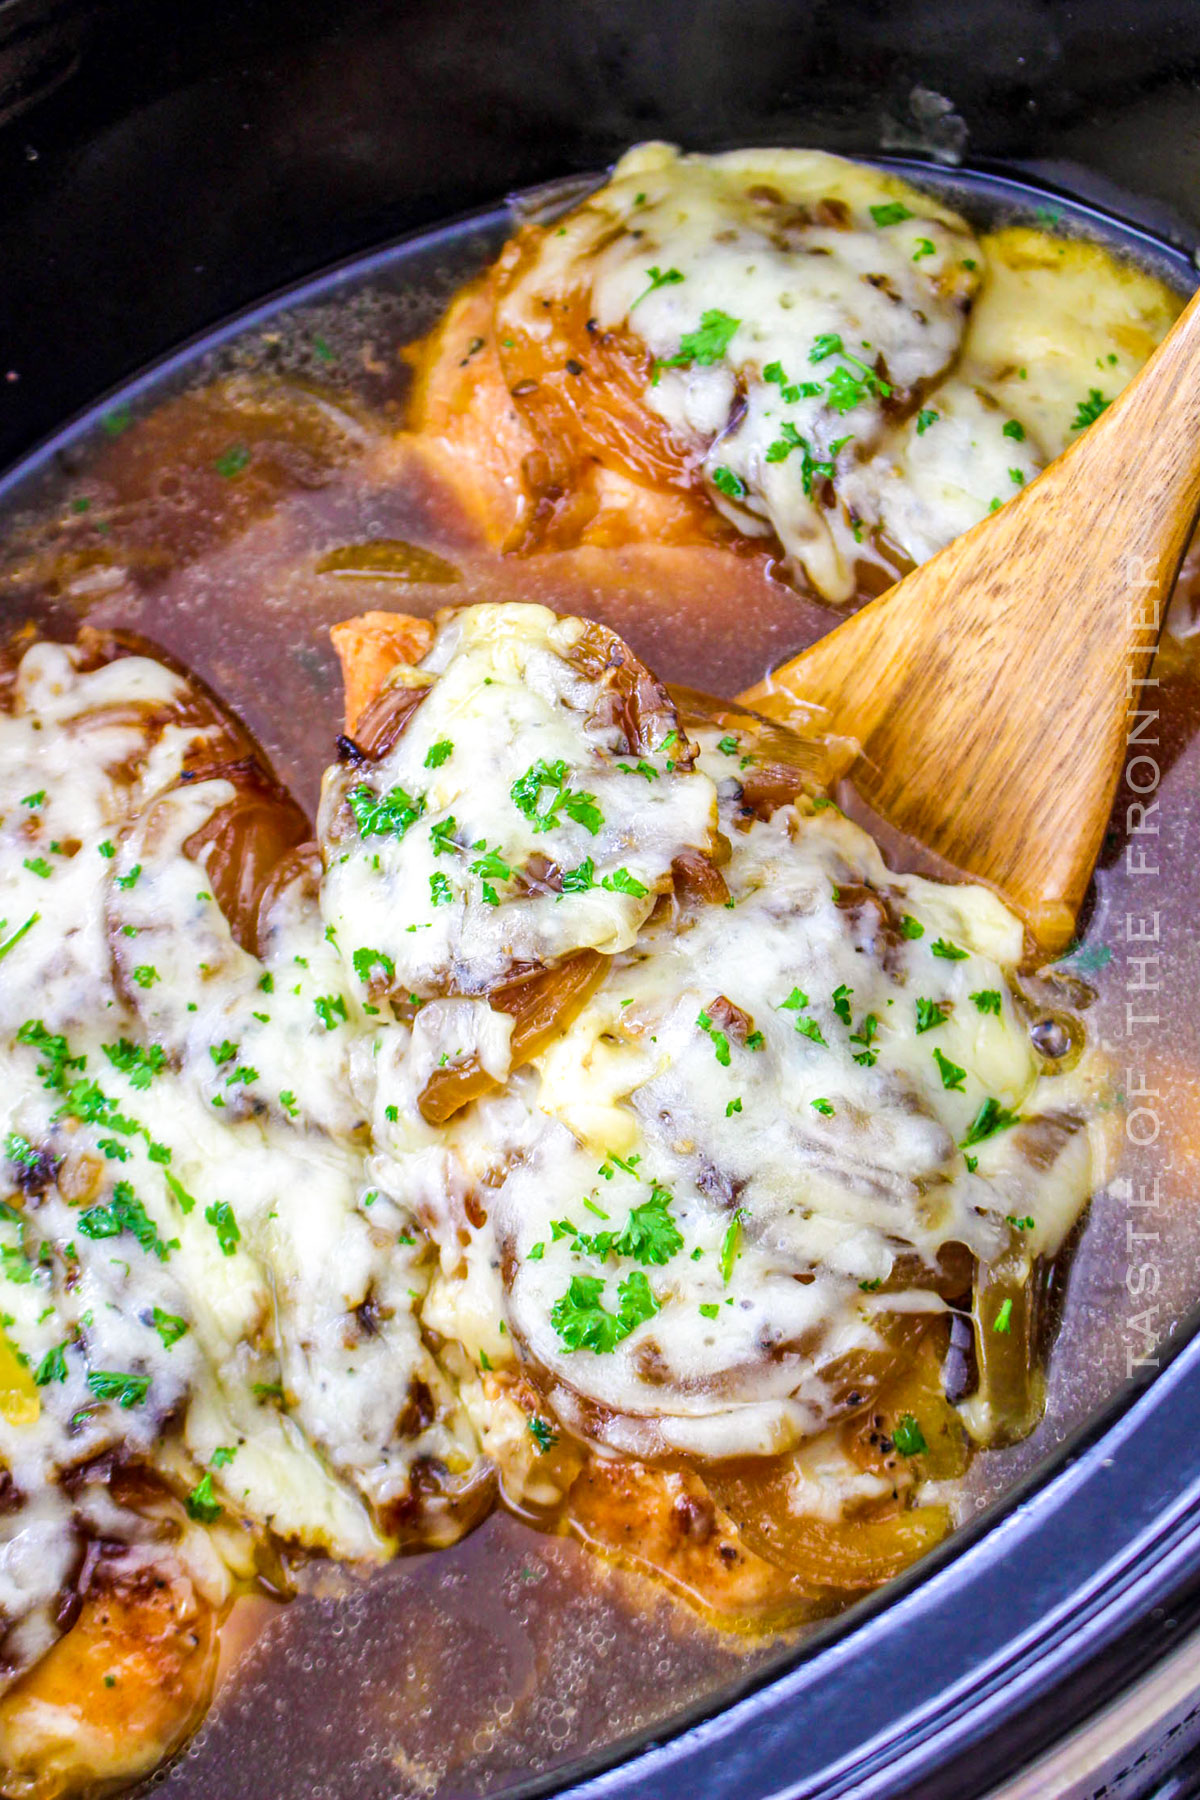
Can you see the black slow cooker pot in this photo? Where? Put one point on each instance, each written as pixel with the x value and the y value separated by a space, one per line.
pixel 163 165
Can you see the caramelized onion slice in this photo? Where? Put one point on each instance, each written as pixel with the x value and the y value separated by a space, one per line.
pixel 669 1524
pixel 843 1555
pixel 119 1692
pixel 1011 1393
pixel 876 1538
pixel 633 699
pixel 243 841
pixel 388 559
pixel 786 763
pixel 542 1005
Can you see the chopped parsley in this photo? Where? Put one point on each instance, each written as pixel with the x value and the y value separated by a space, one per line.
pixel 440 891
pixel 114 1384
pixel 169 1326
pixel 947 951
pixel 812 468
pixel 384 815
pixel 37 865
pixel 584 1323
pixel 365 960
pixel 823 1106
pixel 868 1056
pixel 988 1000
pixel 890 212
pixel 952 1076
pixel 720 1042
pixel 437 753
pixel 911 928
pixel 1025 1224
pixel 490 867
pixel 12 942
pixel 809 1029
pixel 730 1244
pixel 735 1106
pixel 145 975
pixel 441 836
pixel 991 1118
pixel 1003 1319
pixel 925 418
pixel 1014 429
pixel 330 1009
pixel 841 1002
pixel 853 381
pixel 220 1216
pixel 202 1504
pixel 622 882
pixel 53 1366
pixel 728 483
pixel 579 880
pixel 931 1014
pixel 141 1065
pixel 1089 410
pixel 35 800
pixel 526 794
pixel 125 1212
pixel 231 462
pixel 925 247
pixel 659 278
pixel 130 880
pixel 706 345
pixel 728 746
pixel 908 1437
pixel 184 1200
pixel 21 1152
pixel 650 1234
pixel 543 1434
pixel 792 391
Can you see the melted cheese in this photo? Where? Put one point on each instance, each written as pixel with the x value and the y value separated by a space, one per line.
pixel 795 1084
pixel 251 1313
pixel 987 347
pixel 499 870
pixel 783 245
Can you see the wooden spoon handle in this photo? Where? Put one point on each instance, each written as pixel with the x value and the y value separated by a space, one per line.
pixel 990 691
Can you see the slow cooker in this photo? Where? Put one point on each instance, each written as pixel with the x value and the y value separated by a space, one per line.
pixel 166 168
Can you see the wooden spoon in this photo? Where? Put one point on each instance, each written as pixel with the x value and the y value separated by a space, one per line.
pixel 992 692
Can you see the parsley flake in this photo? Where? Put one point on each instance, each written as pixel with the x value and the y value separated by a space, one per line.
pixel 952 1076
pixel 908 1437
pixel 890 212
pixel 384 815
pixel 706 345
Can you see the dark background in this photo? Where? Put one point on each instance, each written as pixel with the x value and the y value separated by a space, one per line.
pixel 163 162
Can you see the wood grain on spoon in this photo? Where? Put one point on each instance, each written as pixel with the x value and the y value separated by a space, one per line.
pixel 991 690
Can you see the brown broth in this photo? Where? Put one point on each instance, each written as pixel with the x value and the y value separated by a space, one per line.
pixel 513 1653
